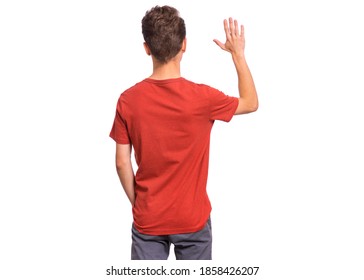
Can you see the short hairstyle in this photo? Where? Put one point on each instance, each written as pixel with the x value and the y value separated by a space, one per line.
pixel 163 31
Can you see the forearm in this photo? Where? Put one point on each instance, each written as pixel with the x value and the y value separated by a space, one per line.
pixel 127 180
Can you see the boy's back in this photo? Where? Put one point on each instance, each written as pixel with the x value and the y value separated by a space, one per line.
pixel 168 122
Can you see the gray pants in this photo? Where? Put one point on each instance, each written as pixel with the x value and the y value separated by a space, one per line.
pixel 187 246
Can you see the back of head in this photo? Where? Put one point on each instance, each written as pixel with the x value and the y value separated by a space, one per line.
pixel 163 31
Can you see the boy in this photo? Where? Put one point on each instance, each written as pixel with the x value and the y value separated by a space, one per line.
pixel 167 120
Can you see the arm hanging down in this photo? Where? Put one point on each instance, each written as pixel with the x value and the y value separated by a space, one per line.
pixel 125 171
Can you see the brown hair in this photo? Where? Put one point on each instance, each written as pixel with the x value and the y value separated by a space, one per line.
pixel 163 31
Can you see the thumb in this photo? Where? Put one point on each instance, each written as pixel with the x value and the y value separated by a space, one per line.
pixel 221 45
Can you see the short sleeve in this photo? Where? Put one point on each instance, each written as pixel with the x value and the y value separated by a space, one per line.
pixel 222 107
pixel 119 131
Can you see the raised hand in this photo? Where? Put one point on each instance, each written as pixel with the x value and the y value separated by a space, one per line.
pixel 235 40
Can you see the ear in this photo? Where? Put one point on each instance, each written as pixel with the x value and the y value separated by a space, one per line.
pixel 146 48
pixel 184 44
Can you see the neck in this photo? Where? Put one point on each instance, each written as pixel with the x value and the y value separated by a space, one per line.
pixel 169 70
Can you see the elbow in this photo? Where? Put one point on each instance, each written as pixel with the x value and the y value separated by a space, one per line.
pixel 254 107
pixel 122 163
pixel 118 166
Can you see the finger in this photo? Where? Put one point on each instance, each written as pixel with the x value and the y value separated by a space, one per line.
pixel 226 28
pixel 242 30
pixel 236 27
pixel 231 27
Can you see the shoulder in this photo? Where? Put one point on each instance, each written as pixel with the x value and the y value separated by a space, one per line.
pixel 200 87
pixel 129 92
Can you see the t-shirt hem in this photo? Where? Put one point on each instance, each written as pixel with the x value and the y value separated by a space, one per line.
pixel 233 110
pixel 170 232
pixel 119 141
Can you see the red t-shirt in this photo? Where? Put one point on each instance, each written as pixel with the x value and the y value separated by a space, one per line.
pixel 168 122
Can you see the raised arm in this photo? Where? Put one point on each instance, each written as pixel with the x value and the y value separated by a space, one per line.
pixel 235 44
pixel 125 171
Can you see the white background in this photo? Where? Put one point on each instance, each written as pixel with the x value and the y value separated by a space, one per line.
pixel 285 182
